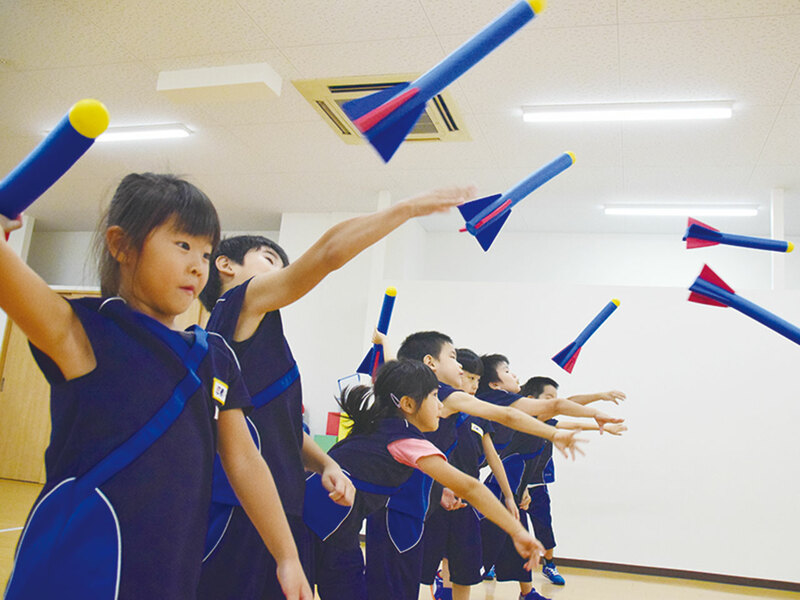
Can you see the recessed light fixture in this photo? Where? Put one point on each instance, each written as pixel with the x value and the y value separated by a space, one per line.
pixel 681 211
pixel 145 132
pixel 628 111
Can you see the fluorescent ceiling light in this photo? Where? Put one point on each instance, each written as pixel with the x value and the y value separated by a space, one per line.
pixel 145 132
pixel 681 211
pixel 628 111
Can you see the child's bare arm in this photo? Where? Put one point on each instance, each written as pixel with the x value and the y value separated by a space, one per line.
pixel 340 244
pixel 252 481
pixel 339 486
pixel 560 406
pixel 614 396
pixel 499 471
pixel 45 317
pixel 612 428
pixel 481 498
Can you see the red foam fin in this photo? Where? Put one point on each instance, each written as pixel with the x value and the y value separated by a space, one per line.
pixel 708 275
pixel 332 427
pixel 696 222
pixel 698 243
pixel 571 363
pixel 372 118
pixel 700 299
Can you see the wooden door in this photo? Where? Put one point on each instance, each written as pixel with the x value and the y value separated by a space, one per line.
pixel 25 403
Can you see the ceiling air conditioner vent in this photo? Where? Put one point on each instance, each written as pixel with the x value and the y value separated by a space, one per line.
pixel 441 121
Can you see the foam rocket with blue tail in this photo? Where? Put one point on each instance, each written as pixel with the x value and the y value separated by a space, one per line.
pixel 709 289
pixel 699 235
pixel 53 157
pixel 567 357
pixel 374 358
pixel 386 117
pixel 485 216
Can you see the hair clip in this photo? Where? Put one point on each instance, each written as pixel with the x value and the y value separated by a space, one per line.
pixel 395 400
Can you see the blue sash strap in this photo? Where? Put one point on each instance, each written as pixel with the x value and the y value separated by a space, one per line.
pixel 276 388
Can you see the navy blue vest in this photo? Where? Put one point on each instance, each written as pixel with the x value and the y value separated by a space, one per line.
pixel 159 501
pixel 271 376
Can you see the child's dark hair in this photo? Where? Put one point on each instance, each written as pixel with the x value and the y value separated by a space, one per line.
pixel 490 364
pixel 141 203
pixel 235 249
pixel 470 361
pixel 399 377
pixel 418 345
pixel 534 387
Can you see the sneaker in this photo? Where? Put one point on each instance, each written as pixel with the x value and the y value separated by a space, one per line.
pixel 489 575
pixel 438 590
pixel 550 571
pixel 532 595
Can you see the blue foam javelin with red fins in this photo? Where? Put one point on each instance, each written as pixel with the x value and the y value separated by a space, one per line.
pixel 374 358
pixel 386 117
pixel 709 289
pixel 485 216
pixel 700 235
pixel 567 357
pixel 53 157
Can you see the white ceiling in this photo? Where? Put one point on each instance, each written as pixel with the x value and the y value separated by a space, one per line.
pixel 257 159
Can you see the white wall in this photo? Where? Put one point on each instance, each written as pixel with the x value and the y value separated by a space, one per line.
pixel 705 479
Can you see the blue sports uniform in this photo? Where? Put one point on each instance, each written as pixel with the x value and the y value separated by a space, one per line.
pixel 376 475
pixel 394 534
pixel 542 473
pixel 270 374
pixel 158 503
pixel 456 534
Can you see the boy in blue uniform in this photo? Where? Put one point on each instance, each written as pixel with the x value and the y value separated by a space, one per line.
pixel 536 499
pixel 452 530
pixel 394 569
pixel 250 280
pixel 499 385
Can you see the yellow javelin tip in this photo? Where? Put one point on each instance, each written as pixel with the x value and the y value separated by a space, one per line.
pixel 615 301
pixel 537 5
pixel 391 291
pixel 790 247
pixel 89 117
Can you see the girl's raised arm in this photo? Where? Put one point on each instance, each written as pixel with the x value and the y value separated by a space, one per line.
pixel 44 316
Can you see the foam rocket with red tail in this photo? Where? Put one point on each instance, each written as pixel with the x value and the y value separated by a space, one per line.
pixel 485 216
pixel 699 235
pixel 374 358
pixel 567 357
pixel 53 157
pixel 386 117
pixel 709 288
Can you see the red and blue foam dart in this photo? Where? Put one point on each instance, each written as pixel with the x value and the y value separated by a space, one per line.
pixel 567 357
pixel 386 117
pixel 53 157
pixel 709 288
pixel 699 235
pixel 485 216
pixel 374 358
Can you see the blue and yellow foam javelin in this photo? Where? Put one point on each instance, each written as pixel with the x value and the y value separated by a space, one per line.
pixel 709 288
pixel 700 235
pixel 374 358
pixel 386 117
pixel 567 357
pixel 485 216
pixel 53 157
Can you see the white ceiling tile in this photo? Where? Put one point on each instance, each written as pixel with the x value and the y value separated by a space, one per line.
pixel 156 29
pixel 649 11
pixel 734 142
pixel 290 23
pixel 745 60
pixel 37 34
pixel 783 144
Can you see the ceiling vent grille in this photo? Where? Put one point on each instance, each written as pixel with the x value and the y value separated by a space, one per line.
pixel 441 121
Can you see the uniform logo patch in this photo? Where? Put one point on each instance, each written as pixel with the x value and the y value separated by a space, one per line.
pixel 476 428
pixel 219 391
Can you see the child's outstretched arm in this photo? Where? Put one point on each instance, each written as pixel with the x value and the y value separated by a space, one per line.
pixel 511 417
pixel 614 396
pixel 499 471
pixel 252 481
pixel 274 290
pixel 339 486
pixel 481 498
pixel 560 406
pixel 383 340
pixel 46 318
pixel 612 428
